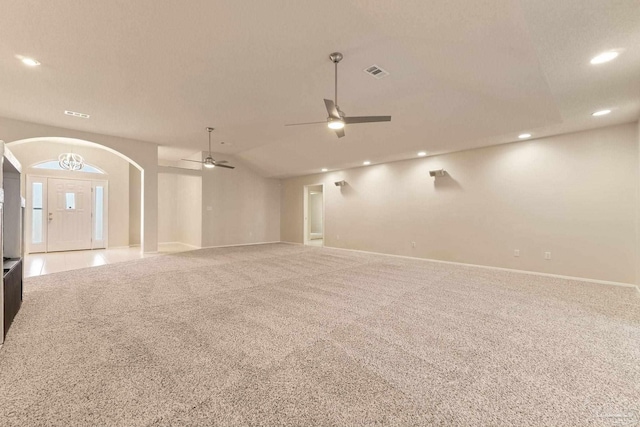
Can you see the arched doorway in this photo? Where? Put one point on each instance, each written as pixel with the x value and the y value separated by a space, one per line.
pixel 38 154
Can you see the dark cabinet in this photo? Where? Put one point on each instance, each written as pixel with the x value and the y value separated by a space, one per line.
pixel 12 291
pixel 11 237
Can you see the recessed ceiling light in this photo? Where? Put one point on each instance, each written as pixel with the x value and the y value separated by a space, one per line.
pixel 324 169
pixel 524 135
pixel 28 61
pixel 601 113
pixel 366 163
pixel 422 153
pixel 605 57
pixel 76 114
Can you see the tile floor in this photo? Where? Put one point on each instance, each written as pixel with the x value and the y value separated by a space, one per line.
pixel 54 262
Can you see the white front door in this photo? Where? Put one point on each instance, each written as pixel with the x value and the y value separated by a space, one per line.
pixel 69 217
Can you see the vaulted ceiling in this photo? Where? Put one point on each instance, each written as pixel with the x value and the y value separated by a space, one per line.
pixel 463 74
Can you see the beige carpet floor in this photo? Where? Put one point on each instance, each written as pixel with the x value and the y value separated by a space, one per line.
pixel 281 334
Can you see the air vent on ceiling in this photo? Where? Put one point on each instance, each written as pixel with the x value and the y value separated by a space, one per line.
pixel 376 72
pixel 75 114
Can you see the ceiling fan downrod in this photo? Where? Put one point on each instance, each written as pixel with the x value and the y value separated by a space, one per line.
pixel 210 129
pixel 336 57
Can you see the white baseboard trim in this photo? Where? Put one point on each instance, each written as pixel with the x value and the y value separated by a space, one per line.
pixel 191 246
pixel 488 267
pixel 179 243
pixel 242 244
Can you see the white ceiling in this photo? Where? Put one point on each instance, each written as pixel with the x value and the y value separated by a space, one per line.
pixel 464 74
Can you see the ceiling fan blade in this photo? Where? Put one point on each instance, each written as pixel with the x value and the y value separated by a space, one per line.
pixel 331 109
pixel 218 162
pixel 308 123
pixel 194 161
pixel 366 119
pixel 182 168
pixel 340 133
pixel 218 165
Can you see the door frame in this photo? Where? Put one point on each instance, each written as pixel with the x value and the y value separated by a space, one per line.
pixel 305 227
pixel 30 248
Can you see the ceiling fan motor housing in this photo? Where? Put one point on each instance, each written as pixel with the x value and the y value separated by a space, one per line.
pixel 336 57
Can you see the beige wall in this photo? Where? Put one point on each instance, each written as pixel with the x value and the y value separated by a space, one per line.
pixel 217 207
pixel 179 207
pixel 167 215
pixel 135 204
pixel 573 195
pixel 116 169
pixel 189 209
pixel 239 206
pixel 145 155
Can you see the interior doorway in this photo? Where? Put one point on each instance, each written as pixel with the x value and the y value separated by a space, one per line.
pixel 66 214
pixel 314 215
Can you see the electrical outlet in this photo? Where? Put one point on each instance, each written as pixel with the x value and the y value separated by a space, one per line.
pixel 547 255
pixel 209 208
pixel 337 237
pixel 516 252
pixel 413 244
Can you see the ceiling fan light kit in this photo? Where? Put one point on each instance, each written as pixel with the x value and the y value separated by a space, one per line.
pixel 209 162
pixel 337 119
pixel 335 123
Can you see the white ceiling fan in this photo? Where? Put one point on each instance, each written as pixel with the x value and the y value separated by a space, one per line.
pixel 337 118
pixel 209 162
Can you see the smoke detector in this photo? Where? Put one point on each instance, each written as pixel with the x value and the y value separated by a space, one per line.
pixel 376 72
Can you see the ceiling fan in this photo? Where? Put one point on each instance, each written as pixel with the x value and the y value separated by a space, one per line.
pixel 209 161
pixel 337 119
